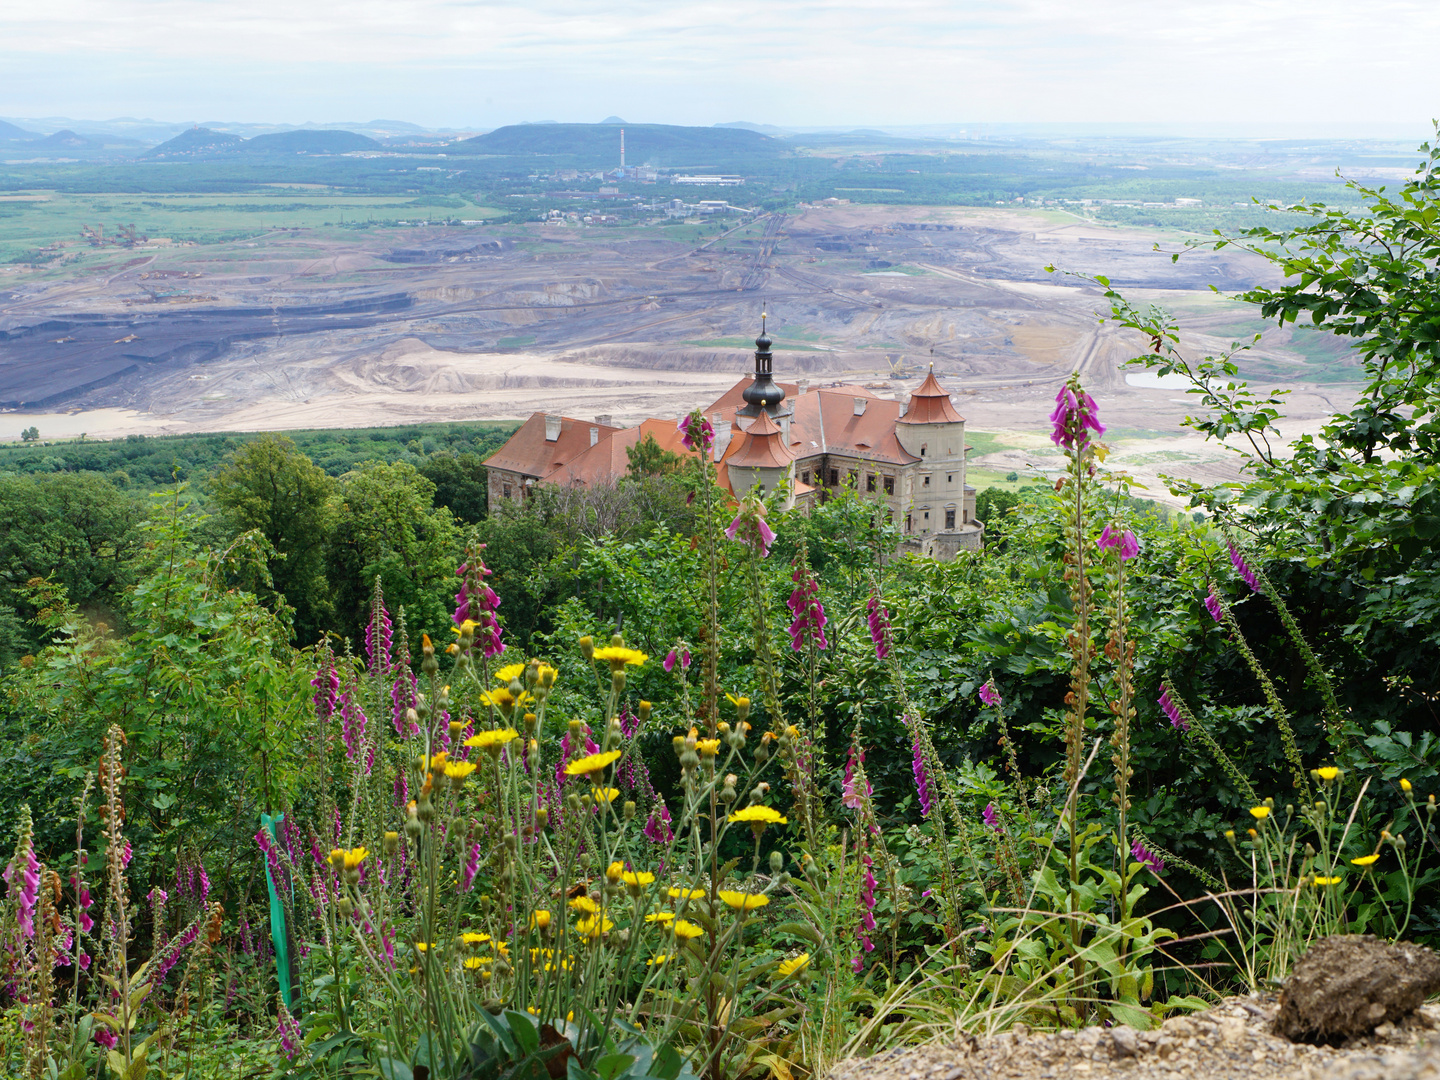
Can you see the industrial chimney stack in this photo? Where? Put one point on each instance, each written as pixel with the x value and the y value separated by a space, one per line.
pixel 622 148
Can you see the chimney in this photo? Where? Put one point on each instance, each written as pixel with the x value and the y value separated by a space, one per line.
pixel 552 427
pixel 606 420
pixel 722 437
pixel 860 406
pixel 785 429
pixel 594 435
pixel 804 387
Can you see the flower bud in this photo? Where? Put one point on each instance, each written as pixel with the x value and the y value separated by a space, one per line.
pixel 742 708
pixel 777 862
pixel 584 860
pixel 344 907
pixel 516 688
pixel 679 743
pixel 532 672
pixel 572 801
pixel 547 676
pixel 528 720
pixel 642 710
pixel 629 809
pixel 391 843
pixel 617 641
pixel 542 818
pixel 617 680
pixel 587 648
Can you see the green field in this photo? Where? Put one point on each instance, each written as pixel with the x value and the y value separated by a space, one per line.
pixel 37 219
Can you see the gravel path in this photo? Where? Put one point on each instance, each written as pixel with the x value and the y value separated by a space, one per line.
pixel 1230 1042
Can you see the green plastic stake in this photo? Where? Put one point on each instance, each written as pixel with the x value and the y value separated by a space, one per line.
pixel 277 919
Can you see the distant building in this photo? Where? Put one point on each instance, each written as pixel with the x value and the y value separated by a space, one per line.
pixel 710 181
pixel 911 458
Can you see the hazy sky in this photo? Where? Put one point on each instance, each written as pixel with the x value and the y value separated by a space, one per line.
pixel 479 63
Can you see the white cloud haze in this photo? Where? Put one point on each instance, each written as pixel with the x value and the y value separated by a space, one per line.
pixel 803 62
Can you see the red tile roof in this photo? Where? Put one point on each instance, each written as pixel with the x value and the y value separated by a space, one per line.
pixel 825 423
pixel 930 404
pixel 529 454
pixel 609 459
pixel 761 447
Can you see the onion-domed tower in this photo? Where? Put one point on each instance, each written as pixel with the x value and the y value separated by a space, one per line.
pixel 763 394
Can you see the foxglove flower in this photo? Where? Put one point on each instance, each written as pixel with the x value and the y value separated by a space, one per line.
pixel 696 432
pixel 288 1031
pixel 991 818
pixel 1243 568
pixel 1074 417
pixel 749 526
pixel 378 636
pixel 326 684
pixel 1124 542
pixel 922 780
pixel 808 626
pixel 23 875
pixel 879 620
pixel 989 695
pixel 657 827
pixel 1147 858
pixel 673 657
pixel 1212 605
pixel 477 602
pixel 1167 706
pixel 852 797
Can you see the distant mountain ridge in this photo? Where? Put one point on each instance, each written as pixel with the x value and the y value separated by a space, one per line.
pixel 204 142
pixel 653 144
pixel 10 133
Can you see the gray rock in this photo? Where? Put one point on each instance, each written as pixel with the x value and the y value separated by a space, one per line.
pixel 1346 986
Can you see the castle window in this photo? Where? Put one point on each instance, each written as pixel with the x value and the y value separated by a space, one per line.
pixel 889 485
pixel 923 448
pixel 907 523
pixel 805 476
pixel 834 477
pixel 870 481
pixel 950 479
pixel 507 491
pixel 927 515
pixel 927 481
pixel 949 519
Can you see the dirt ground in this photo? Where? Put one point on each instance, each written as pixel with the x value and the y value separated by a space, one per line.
pixel 306 330
pixel 1230 1042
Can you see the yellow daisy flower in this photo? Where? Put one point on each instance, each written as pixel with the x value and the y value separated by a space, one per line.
pixel 485 740
pixel 539 920
pixel 510 671
pixel 1259 813
pixel 657 960
pixel 794 965
pixel 743 901
pixel 686 894
pixel 592 926
pixel 708 747
pixel 605 794
pixel 592 763
pixel 1327 880
pixel 687 930
pixel 459 770
pixel 585 904
pixel 617 656
pixel 1366 860
pixel 475 963
pixel 1328 773
pixel 762 815
pixel 474 939
pixel 637 877
pixel 666 917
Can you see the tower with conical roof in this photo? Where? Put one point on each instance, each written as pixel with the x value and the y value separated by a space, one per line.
pixel 761 458
pixel 934 432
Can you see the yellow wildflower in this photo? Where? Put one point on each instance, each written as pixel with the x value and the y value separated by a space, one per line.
pixel 657 960
pixel 474 939
pixel 761 815
pixel 605 794
pixel 510 671
pixel 666 917
pixel 435 763
pixel 585 904
pixel 475 963
pixel 592 763
pixel 617 656
pixel 687 930
pixel 592 926
pixel 614 870
pixel 485 740
pixel 503 700
pixel 708 747
pixel 1327 880
pixel 425 946
pixel 637 877
pixel 794 965
pixel 539 920
pixel 1405 785
pixel 1328 773
pixel 468 626
pixel 1259 813
pixel 350 859
pixel 743 901
pixel 1366 860
pixel 686 894
pixel 459 770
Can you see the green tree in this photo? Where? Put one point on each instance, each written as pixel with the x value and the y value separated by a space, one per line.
pixel 461 484
pixel 648 458
pixel 387 525
pixel 270 486
pixel 30 434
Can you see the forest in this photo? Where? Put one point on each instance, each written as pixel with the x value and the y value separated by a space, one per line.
pixel 316 765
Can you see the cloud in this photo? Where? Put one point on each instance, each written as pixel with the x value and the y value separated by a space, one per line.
pixel 781 61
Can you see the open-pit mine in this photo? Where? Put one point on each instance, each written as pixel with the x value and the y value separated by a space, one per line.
pixel 369 326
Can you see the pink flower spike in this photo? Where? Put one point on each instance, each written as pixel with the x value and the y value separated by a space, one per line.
pixel 669 662
pixel 1212 605
pixel 685 659
pixel 989 695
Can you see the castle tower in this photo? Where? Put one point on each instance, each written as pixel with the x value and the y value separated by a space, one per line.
pixel 762 458
pixel 934 432
pixel 763 394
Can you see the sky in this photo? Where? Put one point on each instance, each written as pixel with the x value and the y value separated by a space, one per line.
pixel 478 64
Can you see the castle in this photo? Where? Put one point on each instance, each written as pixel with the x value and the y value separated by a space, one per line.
pixel 912 458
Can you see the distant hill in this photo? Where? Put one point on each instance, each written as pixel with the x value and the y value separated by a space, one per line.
pixel 308 142
pixel 763 129
pixel 10 133
pixel 68 140
pixel 197 142
pixel 652 144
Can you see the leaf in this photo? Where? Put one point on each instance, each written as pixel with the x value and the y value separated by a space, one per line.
pixel 391 1069
pixel 522 1029
pixel 613 1066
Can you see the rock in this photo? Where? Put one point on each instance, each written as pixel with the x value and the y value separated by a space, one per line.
pixel 1126 1044
pixel 1346 986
